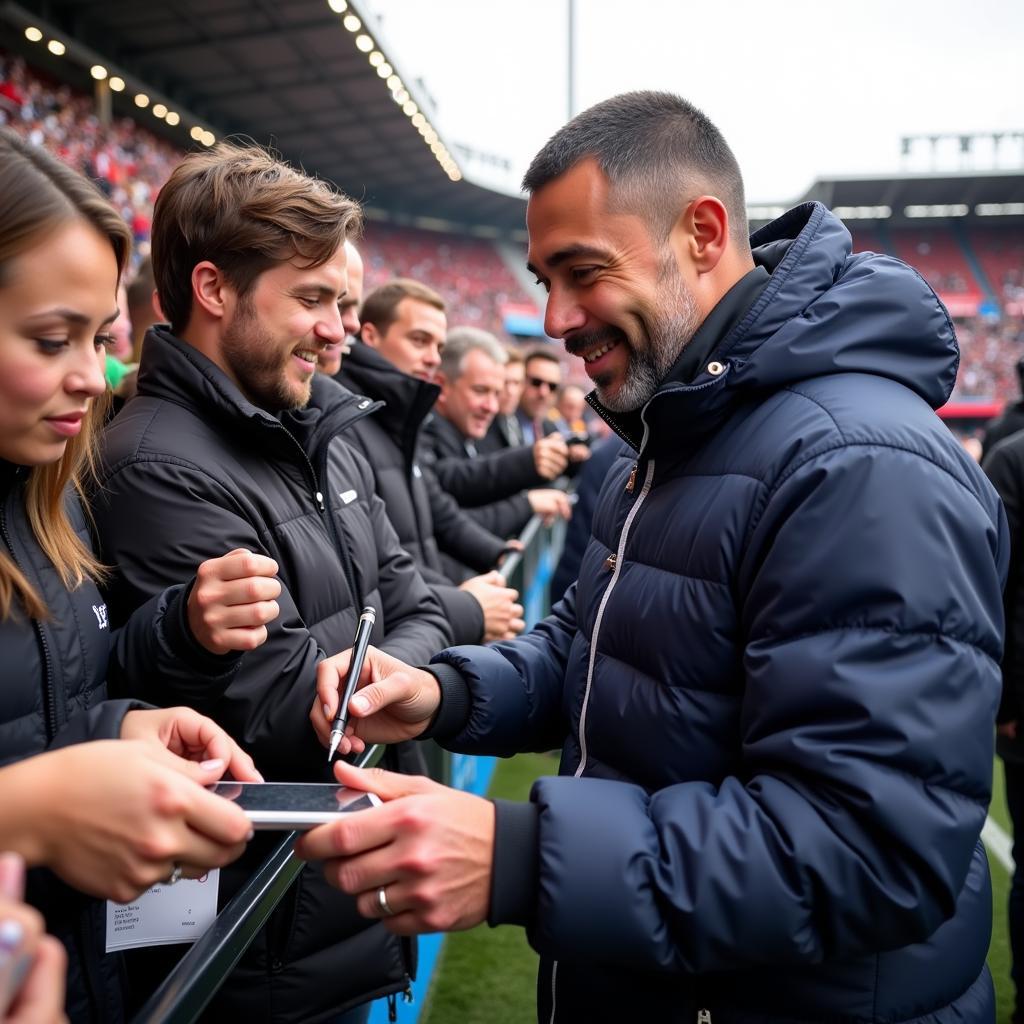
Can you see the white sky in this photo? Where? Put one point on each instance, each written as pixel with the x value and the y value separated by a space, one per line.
pixel 800 89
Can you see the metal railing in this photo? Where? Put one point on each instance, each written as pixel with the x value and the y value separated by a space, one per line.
pixel 188 989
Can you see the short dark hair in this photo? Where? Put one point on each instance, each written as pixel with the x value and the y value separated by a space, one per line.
pixel 140 289
pixel 380 307
pixel 243 210
pixel 655 148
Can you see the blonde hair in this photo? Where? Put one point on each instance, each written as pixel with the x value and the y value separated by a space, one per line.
pixel 37 195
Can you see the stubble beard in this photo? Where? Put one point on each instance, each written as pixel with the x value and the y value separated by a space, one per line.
pixel 259 365
pixel 668 333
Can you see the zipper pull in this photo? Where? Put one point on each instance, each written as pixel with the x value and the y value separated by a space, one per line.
pixel 631 483
pixel 320 501
pixel 703 1017
pixel 392 1008
pixel 609 562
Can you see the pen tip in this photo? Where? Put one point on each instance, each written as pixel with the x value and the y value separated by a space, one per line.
pixel 335 740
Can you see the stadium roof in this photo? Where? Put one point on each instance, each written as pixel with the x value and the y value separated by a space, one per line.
pixel 286 72
pixel 991 196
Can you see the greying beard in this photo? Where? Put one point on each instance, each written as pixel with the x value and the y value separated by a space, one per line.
pixel 667 336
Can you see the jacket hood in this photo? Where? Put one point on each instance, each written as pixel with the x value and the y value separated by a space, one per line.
pixel 824 311
pixel 407 400
pixel 174 371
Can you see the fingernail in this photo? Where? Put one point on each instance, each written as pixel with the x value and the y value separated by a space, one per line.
pixel 11 934
pixel 360 704
pixel 213 765
pixel 259 777
pixel 249 834
pixel 327 711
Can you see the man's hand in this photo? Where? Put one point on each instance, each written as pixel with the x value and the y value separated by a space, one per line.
pixel 579 453
pixel 503 617
pixel 192 737
pixel 393 701
pixel 550 503
pixel 430 848
pixel 232 600
pixel 550 456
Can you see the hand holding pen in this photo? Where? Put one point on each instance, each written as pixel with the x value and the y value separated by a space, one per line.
pixel 359 648
pixel 393 701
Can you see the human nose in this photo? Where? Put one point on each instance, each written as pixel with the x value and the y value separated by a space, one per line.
pixel 331 327
pixel 350 321
pixel 86 376
pixel 433 355
pixel 562 315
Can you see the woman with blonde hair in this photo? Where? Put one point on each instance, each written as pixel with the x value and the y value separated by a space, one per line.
pixel 107 818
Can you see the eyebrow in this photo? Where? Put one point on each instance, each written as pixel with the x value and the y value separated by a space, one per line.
pixel 570 252
pixel 72 316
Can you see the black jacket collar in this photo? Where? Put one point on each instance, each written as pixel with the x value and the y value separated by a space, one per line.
pixel 407 400
pixel 174 371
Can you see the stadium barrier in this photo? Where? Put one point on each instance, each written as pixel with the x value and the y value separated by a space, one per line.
pixel 188 989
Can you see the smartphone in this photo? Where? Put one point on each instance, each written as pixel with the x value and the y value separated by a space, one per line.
pixel 285 806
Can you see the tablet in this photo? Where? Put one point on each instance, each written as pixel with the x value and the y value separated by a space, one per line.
pixel 293 805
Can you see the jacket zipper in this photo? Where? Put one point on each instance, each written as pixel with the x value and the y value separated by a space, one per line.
pixel 703 1017
pixel 44 646
pixel 614 562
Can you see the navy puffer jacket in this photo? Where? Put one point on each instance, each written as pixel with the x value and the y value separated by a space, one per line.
pixel 777 676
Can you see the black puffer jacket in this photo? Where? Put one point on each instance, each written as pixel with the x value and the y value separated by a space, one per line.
pixel 423 515
pixel 53 696
pixel 490 486
pixel 192 468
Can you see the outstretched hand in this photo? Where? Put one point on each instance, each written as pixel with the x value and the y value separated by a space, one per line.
pixel 393 701
pixel 429 848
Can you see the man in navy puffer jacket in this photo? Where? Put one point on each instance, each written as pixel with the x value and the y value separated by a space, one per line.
pixel 775 681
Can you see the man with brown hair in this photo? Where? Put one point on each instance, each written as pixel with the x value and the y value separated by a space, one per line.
pixel 402 331
pixel 234 440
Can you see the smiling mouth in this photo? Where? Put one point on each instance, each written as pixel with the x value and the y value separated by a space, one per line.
pixel 594 354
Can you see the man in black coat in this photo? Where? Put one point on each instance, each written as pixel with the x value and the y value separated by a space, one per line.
pixel 403 325
pixel 232 442
pixel 1011 420
pixel 501 490
pixel 1004 466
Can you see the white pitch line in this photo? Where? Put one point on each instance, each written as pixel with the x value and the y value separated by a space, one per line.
pixel 999 844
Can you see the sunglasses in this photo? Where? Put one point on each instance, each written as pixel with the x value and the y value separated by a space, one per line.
pixel 540 382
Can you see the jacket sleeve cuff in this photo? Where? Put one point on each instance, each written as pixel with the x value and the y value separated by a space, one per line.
pixel 182 641
pixel 453 712
pixel 514 869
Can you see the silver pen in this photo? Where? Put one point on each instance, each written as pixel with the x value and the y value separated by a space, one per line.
pixel 355 668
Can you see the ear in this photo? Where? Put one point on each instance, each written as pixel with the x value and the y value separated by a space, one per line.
pixel 210 291
pixel 703 230
pixel 368 332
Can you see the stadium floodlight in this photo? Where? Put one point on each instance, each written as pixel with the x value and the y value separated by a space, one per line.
pixel 937 210
pixel 394 83
pixel 401 96
pixel 209 139
pixel 173 118
pixel 352 23
pixel 862 212
pixel 999 209
pixel 197 133
pixel 385 70
pixel 410 109
pixel 338 6
pixel 141 100
pixel 430 136
pixel 418 120
pixel 56 47
pixel 32 34
pixel 98 71
pixel 117 83
pixel 376 59
pixel 364 43
pixel 159 110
